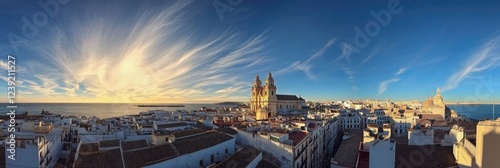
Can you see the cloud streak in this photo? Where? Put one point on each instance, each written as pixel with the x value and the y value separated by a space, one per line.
pixel 349 72
pixel 401 71
pixel 385 84
pixel 305 66
pixel 150 58
pixel 487 57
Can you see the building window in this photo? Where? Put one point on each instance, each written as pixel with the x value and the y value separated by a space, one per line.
pixel 227 151
pixel 212 159
pixel 272 92
pixel 201 163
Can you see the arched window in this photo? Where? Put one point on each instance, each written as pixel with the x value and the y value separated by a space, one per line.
pixel 272 92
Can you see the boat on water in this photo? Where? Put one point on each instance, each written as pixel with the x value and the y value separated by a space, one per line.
pixel 160 105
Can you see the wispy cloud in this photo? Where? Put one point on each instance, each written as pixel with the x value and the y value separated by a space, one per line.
pixel 151 57
pixel 355 88
pixel 347 51
pixel 305 66
pixel 350 73
pixel 434 60
pixel 487 57
pixel 375 52
pixel 385 84
pixel 401 71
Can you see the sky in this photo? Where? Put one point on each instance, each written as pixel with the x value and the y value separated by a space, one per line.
pixel 211 51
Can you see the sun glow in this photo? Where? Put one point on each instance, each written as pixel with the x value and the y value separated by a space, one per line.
pixel 147 58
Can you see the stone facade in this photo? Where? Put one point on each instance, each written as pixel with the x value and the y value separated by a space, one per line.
pixel 266 103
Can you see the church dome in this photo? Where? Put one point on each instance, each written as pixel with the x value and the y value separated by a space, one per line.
pixel 428 103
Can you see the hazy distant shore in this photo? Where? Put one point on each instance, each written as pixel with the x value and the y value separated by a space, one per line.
pixel 472 103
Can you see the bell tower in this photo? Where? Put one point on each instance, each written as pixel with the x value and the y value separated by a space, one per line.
pixel 438 99
pixel 269 95
pixel 255 100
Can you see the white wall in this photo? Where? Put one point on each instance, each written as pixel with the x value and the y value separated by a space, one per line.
pixel 383 154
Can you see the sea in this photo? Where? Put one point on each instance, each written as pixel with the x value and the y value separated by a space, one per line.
pixel 104 110
pixel 476 111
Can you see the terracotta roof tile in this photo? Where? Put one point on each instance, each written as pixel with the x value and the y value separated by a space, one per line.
pixel 240 159
pixel 199 142
pixel 296 137
pixel 347 153
pixel 287 97
pixel 129 145
pixel 105 159
pixel 183 133
pixel 147 156
pixel 109 143
pixel 434 155
pixel 89 147
pixel 161 126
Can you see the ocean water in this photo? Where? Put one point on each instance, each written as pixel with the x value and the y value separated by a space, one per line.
pixel 476 111
pixel 95 109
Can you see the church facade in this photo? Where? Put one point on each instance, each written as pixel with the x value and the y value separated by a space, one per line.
pixel 265 102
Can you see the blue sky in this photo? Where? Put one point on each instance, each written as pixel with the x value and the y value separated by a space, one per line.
pixel 209 51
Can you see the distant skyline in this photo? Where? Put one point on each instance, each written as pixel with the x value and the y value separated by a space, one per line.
pixel 211 51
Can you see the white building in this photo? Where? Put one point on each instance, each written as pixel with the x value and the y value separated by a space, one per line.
pixel 351 119
pixel 38 144
pixel 292 147
pixel 401 125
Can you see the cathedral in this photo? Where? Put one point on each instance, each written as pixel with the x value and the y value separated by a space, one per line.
pixel 266 103
pixel 435 105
